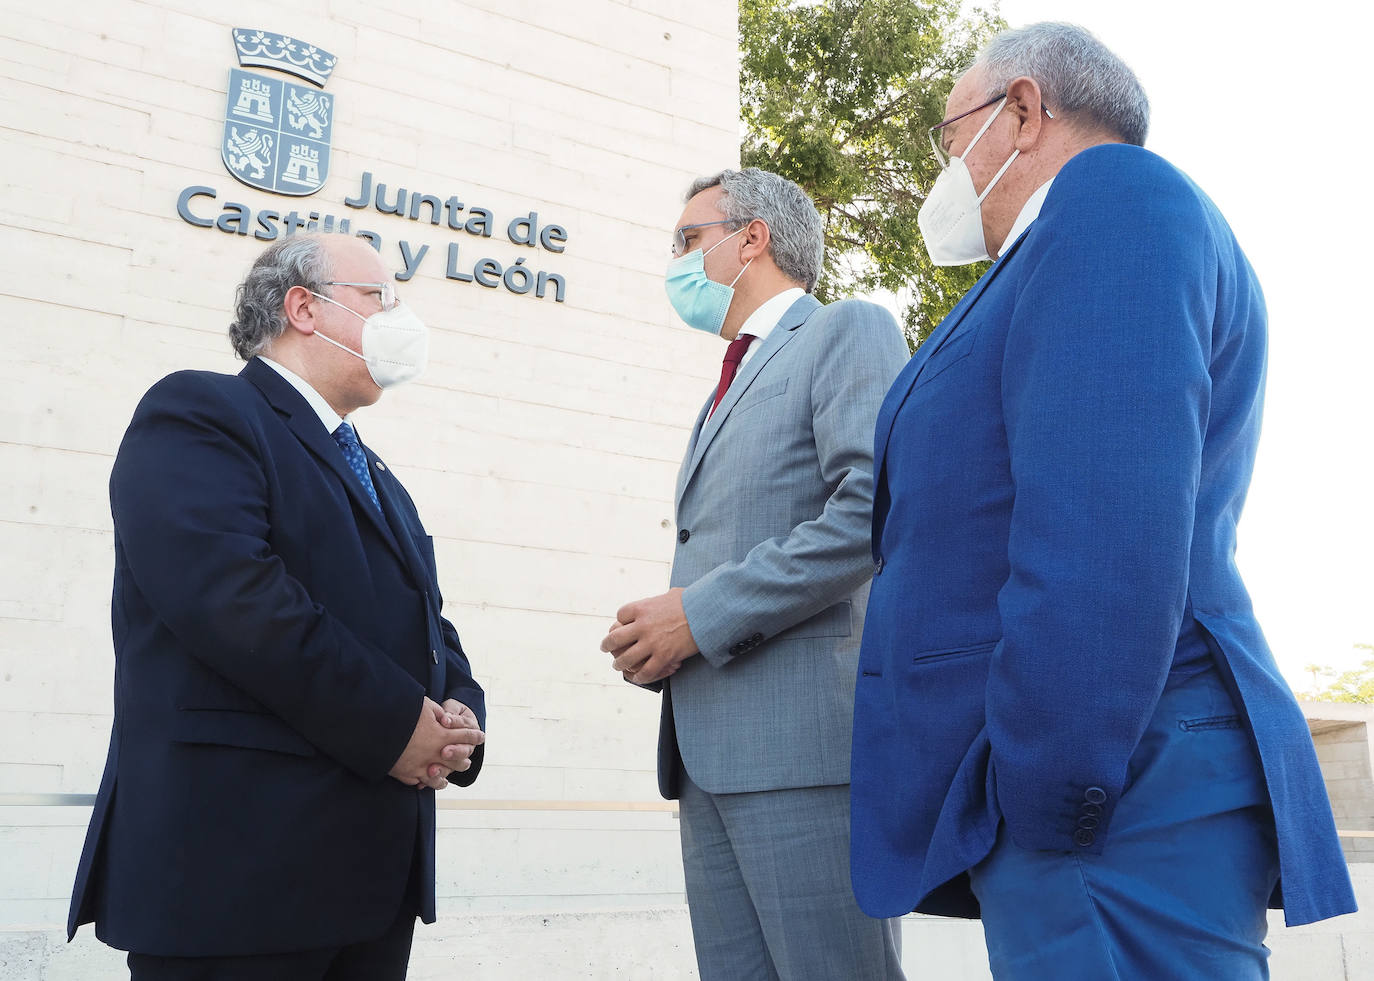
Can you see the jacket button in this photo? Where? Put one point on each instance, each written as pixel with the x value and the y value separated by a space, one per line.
pixel 1092 810
pixel 756 638
pixel 878 566
pixel 1083 837
pixel 683 535
pixel 1095 795
pixel 1087 821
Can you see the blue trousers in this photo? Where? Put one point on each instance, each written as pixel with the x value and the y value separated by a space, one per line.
pixel 768 889
pixel 1181 888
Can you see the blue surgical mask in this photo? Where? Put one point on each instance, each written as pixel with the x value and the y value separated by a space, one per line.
pixel 699 300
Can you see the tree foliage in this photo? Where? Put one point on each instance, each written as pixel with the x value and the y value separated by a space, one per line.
pixel 838 95
pixel 1355 685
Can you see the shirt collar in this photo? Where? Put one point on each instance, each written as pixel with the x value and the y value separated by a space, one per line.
pixel 328 416
pixel 1029 212
pixel 761 322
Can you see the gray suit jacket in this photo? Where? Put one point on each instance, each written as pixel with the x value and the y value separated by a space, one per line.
pixel 774 510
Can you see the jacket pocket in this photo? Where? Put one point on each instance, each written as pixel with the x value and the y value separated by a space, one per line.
pixel 754 396
pixel 1209 723
pixel 949 653
pixel 245 730
pixel 947 357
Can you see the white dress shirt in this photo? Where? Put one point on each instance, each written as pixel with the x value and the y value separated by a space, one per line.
pixel 762 321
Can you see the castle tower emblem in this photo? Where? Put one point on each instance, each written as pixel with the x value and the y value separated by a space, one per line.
pixel 277 130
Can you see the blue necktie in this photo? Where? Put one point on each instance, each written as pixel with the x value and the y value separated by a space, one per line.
pixel 357 461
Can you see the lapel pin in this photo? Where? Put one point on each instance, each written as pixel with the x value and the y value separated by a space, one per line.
pixel 381 465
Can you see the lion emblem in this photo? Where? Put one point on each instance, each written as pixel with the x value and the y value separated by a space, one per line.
pixel 252 149
pixel 306 108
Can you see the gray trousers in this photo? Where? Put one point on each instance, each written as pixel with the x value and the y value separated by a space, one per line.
pixel 768 889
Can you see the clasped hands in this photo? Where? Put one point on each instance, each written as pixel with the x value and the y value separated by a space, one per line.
pixel 650 638
pixel 443 742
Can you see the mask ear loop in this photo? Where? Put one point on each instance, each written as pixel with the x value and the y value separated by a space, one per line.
pixel 325 337
pixel 327 299
pixel 741 273
pixel 998 176
pixel 722 242
pixel 974 142
pixel 992 118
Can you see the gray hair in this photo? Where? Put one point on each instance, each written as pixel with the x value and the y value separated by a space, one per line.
pixel 1077 75
pixel 796 236
pixel 259 305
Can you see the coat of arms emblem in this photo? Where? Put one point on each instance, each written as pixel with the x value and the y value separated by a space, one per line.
pixel 276 130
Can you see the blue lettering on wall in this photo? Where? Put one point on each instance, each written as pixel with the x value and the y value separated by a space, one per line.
pixel 196 205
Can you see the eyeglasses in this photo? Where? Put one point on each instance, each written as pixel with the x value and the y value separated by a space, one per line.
pixel 941 156
pixel 387 291
pixel 680 235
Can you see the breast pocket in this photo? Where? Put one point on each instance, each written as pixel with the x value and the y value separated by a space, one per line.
pixel 758 395
pixel 953 353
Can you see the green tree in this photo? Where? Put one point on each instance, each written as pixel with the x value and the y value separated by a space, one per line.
pixel 1355 685
pixel 838 95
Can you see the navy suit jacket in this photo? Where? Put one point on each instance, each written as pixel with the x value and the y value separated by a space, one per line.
pixel 1060 472
pixel 274 637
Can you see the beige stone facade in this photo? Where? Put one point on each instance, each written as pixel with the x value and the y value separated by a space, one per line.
pixel 541 445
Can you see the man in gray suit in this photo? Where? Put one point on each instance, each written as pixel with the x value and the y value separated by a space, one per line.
pixel 755 646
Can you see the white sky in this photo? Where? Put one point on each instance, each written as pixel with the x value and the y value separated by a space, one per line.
pixel 1264 106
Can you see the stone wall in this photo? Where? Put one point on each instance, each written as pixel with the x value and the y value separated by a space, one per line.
pixel 541 447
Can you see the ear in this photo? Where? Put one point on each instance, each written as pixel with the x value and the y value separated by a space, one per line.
pixel 1024 102
pixel 755 239
pixel 299 309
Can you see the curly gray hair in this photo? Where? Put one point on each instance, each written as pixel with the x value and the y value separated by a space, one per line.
pixel 1077 74
pixel 259 314
pixel 797 238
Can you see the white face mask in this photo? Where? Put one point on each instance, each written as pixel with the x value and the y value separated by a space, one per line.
pixel 951 220
pixel 395 343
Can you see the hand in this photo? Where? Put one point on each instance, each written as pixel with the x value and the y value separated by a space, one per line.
pixel 437 743
pixel 650 638
pixel 456 716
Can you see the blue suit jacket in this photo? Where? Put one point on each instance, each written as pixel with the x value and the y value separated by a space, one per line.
pixel 274 637
pixel 1060 472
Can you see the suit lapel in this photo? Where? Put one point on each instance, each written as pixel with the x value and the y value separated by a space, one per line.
pixel 690 455
pixel 947 329
pixel 303 421
pixel 394 500
pixel 784 331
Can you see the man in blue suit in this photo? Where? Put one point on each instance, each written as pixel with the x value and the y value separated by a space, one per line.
pixel 1067 718
pixel 287 694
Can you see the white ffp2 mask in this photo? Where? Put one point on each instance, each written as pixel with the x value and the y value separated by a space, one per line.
pixel 395 343
pixel 951 219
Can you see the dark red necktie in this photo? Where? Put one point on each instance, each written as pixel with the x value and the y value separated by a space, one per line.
pixel 734 354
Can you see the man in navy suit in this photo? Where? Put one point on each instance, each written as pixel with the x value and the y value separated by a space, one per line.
pixel 1067 717
pixel 287 695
